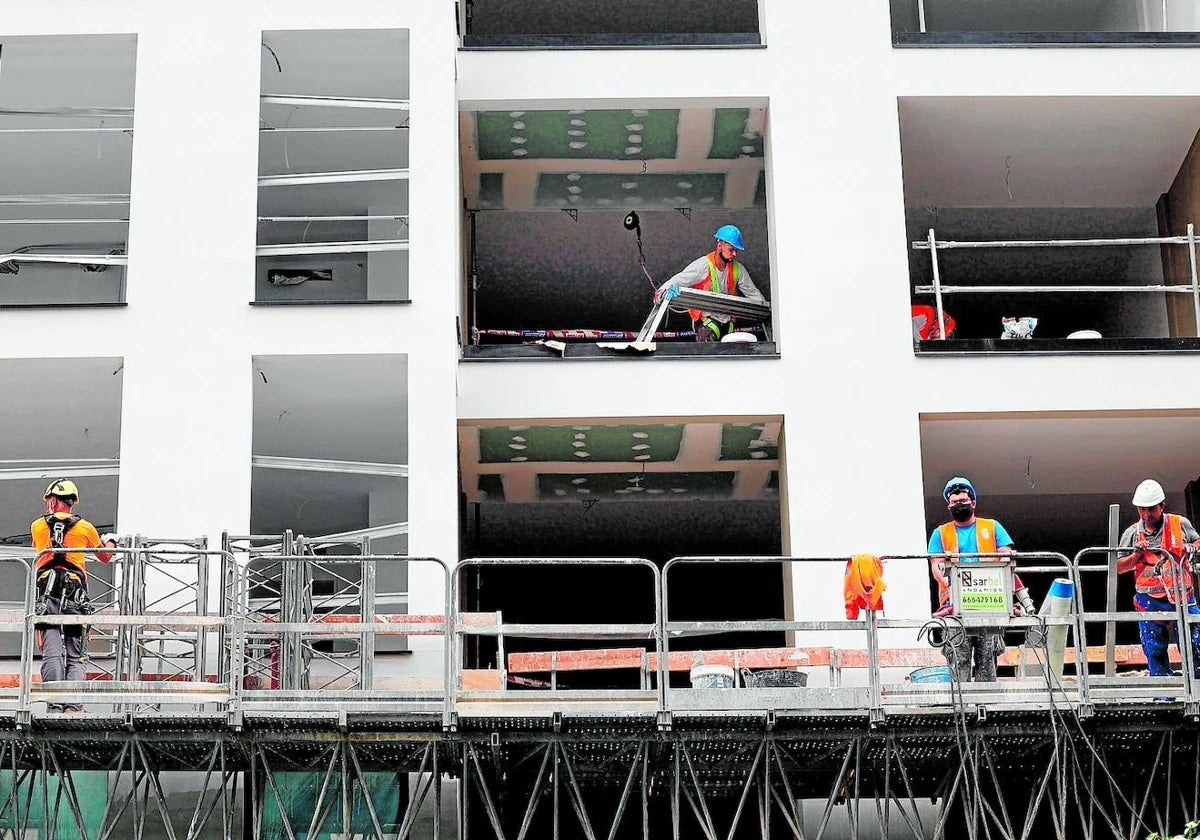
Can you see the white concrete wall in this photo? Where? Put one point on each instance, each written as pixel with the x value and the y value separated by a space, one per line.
pixel 188 333
pixel 848 384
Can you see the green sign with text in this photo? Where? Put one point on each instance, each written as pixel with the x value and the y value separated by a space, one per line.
pixel 982 590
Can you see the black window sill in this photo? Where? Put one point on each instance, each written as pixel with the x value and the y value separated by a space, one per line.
pixel 615 40
pixel 591 352
pixel 1056 346
pixel 58 305
pixel 330 302
pixel 1045 39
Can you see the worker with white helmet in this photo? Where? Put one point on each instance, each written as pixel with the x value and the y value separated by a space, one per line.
pixel 1162 545
pixel 971 656
pixel 62 539
pixel 717 271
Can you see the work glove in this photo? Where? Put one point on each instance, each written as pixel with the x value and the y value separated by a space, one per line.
pixel 669 291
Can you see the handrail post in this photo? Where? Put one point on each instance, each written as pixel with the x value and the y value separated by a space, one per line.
pixel 1079 632
pixel 660 634
pixel 921 15
pixel 664 650
pixel 450 637
pixel 937 285
pixel 1186 653
pixel 1191 234
pixel 1110 601
pixel 874 674
pixel 26 676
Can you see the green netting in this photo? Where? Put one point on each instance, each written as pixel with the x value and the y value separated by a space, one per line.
pixel 301 791
pixel 91 791
pixel 582 443
pixel 596 135
pixel 673 486
pixel 623 191
pixel 743 442
pixel 730 137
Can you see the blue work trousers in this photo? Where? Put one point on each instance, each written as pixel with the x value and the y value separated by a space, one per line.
pixel 1156 635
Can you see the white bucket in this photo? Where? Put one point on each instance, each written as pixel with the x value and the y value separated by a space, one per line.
pixel 712 676
pixel 740 338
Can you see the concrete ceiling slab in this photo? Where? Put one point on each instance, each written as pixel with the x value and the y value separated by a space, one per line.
pixel 1043 151
pixel 1066 453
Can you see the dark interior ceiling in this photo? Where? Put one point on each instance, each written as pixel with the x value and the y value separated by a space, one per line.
pixel 582 17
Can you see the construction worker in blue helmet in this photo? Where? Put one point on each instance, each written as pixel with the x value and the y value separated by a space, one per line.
pixel 971 653
pixel 717 271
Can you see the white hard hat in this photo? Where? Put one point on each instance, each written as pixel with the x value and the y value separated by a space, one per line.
pixel 1148 494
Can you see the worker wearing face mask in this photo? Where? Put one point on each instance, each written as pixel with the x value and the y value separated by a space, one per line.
pixel 970 655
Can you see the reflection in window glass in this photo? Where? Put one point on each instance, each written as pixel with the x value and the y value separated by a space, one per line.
pixel 333 167
pixel 66 135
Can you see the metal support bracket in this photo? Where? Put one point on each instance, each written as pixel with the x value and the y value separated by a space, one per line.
pixel 572 212
pixel 770 720
pixel 556 722
pixel 878 717
pixel 1085 711
pixel 664 721
pixel 234 719
pixel 686 212
pixel 450 723
pixel 23 718
pixel 981 714
pixel 1191 711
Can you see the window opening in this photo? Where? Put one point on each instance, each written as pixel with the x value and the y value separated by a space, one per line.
pixel 652 488
pixel 330 453
pixel 577 217
pixel 616 23
pixel 83 444
pixel 333 168
pixel 978 22
pixel 1063 222
pixel 65 158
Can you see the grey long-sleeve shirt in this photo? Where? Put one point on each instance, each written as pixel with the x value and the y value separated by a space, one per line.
pixel 697 272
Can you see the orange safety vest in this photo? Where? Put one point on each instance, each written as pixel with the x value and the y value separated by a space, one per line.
pixel 1155 573
pixel 713 284
pixel 985 539
pixel 863 585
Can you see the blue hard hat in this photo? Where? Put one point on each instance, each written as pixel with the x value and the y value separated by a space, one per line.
pixel 957 485
pixel 730 234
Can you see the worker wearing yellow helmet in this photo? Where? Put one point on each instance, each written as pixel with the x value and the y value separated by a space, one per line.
pixel 62 540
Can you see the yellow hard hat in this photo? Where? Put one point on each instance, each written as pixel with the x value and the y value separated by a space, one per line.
pixel 63 488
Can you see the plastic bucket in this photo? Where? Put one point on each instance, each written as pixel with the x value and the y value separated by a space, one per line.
pixel 932 674
pixel 774 678
pixel 712 676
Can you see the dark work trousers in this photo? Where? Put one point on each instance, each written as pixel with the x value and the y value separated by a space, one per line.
pixel 973 657
pixel 64 654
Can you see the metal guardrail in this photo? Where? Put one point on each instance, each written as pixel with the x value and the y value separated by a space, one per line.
pixel 938 289
pixel 229 685
pixel 642 631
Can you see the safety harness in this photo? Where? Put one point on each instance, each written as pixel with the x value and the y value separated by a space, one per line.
pixel 59 578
